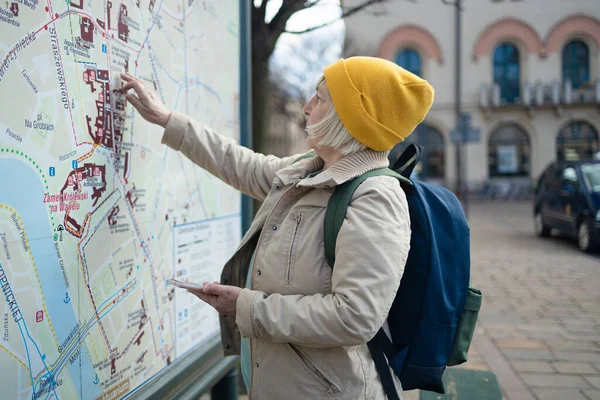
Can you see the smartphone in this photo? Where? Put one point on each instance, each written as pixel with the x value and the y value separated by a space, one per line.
pixel 186 285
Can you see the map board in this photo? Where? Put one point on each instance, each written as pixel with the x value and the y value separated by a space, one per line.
pixel 95 213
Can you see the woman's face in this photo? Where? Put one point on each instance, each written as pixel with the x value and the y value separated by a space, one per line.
pixel 318 106
pixel 316 109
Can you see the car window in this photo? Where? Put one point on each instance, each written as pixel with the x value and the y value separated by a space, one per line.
pixel 591 173
pixel 546 178
pixel 552 181
pixel 543 180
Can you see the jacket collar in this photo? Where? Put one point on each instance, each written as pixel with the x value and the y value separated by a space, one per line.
pixel 347 168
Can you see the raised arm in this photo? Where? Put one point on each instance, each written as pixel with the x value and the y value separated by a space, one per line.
pixel 249 172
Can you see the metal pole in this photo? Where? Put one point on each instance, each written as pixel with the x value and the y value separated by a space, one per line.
pixel 226 388
pixel 457 105
pixel 245 100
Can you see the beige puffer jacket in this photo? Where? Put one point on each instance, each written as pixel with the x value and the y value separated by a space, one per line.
pixel 308 324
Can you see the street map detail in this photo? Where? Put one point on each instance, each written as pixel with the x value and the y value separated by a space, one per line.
pixel 95 213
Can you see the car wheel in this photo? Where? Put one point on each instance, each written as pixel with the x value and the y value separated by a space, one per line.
pixel 541 229
pixel 585 238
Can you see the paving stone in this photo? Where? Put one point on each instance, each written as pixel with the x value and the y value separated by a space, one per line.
pixel 577 356
pixel 561 301
pixel 543 335
pixel 490 317
pixel 554 380
pixel 577 321
pixel 592 394
pixel 586 337
pixel 559 394
pixel 532 366
pixel 541 325
pixel 581 328
pixel 520 344
pixel 556 312
pixel 528 354
pixel 594 380
pixel 517 394
pixel 572 345
pixel 574 368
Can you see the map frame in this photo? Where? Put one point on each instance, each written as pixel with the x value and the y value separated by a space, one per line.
pixel 206 357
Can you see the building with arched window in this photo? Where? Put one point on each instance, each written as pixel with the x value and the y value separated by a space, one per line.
pixel 530 82
pixel 410 60
pixel 577 140
pixel 432 165
pixel 507 72
pixel 576 63
pixel 509 151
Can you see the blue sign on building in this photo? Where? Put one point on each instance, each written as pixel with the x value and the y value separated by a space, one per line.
pixel 465 133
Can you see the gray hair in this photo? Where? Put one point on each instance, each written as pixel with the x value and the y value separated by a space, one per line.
pixel 331 132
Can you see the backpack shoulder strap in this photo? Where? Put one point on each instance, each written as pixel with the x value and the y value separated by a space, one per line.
pixel 310 154
pixel 334 218
pixel 338 204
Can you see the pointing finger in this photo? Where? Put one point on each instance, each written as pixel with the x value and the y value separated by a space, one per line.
pixel 134 101
pixel 127 86
pixel 126 77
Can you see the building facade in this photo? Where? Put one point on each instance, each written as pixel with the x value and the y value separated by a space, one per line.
pixel 530 80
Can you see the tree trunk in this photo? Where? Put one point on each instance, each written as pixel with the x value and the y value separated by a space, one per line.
pixel 260 102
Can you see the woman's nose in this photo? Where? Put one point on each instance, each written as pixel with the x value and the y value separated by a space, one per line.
pixel 306 110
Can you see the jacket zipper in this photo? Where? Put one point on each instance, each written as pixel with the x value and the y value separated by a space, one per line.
pixel 331 388
pixel 289 267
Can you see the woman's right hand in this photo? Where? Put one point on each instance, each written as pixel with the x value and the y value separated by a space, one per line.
pixel 147 102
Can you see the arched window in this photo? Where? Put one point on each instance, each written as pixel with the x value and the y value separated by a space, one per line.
pixel 410 60
pixel 507 72
pixel 431 165
pixel 509 152
pixel 576 63
pixel 578 140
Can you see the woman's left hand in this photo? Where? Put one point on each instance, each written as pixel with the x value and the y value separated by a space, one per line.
pixel 222 298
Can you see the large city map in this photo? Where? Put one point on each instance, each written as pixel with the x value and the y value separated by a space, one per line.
pixel 95 213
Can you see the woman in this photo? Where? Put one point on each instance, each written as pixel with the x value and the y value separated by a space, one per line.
pixel 305 325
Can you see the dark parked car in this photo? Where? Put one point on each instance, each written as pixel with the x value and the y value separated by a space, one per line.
pixel 567 198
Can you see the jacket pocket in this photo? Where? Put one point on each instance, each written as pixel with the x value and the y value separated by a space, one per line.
pixel 330 387
pixel 293 244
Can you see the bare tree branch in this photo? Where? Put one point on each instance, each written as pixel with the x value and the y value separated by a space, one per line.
pixel 345 13
pixel 261 10
pixel 288 8
pixel 312 4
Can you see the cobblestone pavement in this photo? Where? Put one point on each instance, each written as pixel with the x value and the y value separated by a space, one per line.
pixel 539 327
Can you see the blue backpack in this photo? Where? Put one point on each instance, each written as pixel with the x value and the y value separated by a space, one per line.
pixel 433 316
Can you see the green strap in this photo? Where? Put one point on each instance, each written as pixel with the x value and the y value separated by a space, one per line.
pixel 338 204
pixel 310 154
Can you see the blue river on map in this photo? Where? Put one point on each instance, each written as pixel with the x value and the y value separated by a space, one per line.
pixel 22 189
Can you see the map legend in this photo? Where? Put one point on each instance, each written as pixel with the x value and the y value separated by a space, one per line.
pixel 195 246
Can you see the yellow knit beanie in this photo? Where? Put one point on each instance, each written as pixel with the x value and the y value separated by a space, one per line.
pixel 378 102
